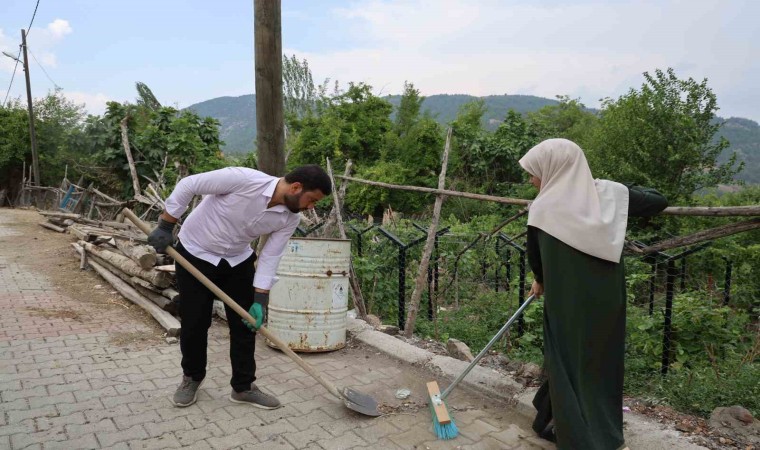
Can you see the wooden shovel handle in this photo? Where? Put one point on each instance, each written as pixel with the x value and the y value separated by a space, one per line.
pixel 237 308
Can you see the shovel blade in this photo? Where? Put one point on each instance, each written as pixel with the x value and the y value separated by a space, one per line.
pixel 360 402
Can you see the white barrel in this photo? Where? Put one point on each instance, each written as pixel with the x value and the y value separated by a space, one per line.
pixel 308 305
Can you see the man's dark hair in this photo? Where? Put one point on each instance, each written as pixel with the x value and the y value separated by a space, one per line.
pixel 311 177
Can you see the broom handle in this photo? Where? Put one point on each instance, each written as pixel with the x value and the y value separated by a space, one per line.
pixel 488 347
pixel 237 308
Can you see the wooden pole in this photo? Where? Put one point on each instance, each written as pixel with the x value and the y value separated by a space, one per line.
pixel 700 236
pixel 707 211
pixel 128 152
pixel 445 192
pixel 32 134
pixel 270 134
pixel 352 277
pixel 414 303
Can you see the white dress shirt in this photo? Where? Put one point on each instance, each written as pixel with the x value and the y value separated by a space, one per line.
pixel 231 215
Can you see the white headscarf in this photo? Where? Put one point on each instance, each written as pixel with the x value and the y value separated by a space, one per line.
pixel 590 216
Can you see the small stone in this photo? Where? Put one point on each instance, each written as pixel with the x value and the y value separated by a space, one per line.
pixel 459 350
pixel 388 329
pixel 529 371
pixel 741 413
pixel 374 321
pixel 172 340
pixel 685 426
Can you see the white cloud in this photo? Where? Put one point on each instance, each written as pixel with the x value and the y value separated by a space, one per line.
pixel 588 49
pixel 9 46
pixel 94 103
pixel 59 28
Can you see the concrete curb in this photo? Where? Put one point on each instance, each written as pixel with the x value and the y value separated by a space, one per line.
pixel 640 432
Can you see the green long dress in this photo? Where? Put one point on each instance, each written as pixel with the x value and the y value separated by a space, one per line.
pixel 584 336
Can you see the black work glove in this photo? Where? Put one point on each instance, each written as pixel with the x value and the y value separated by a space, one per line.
pixel 258 310
pixel 162 236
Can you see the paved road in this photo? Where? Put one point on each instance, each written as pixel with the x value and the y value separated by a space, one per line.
pixel 73 374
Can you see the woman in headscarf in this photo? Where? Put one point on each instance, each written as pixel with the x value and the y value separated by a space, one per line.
pixel 576 232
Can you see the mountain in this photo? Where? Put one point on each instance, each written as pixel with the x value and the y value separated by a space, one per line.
pixel 237 119
pixel 744 137
pixel 445 107
pixel 237 116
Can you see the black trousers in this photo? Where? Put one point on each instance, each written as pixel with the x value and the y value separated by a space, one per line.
pixel 196 307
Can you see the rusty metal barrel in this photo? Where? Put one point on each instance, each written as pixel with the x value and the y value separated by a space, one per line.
pixel 308 305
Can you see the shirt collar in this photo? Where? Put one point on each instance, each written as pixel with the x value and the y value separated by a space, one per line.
pixel 269 191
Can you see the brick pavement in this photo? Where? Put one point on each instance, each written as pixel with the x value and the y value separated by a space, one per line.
pixel 66 383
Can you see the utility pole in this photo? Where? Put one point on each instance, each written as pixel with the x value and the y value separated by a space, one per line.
pixel 270 130
pixel 32 135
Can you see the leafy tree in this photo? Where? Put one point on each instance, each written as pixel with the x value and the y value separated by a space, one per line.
pixel 569 119
pixel 408 110
pixel 488 161
pixel 58 126
pixel 353 125
pixel 14 144
pixel 661 136
pixel 146 98
pixel 300 95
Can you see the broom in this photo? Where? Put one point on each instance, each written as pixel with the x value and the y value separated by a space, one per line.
pixel 443 423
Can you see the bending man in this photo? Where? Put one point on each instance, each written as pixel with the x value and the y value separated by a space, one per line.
pixel 239 205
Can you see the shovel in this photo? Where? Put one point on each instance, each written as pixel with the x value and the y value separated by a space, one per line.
pixel 353 399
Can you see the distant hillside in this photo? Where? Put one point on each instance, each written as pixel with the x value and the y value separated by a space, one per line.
pixel 744 136
pixel 237 116
pixel 445 107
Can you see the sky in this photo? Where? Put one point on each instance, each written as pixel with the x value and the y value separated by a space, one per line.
pixel 188 51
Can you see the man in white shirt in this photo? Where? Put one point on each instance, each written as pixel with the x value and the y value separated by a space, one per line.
pixel 239 205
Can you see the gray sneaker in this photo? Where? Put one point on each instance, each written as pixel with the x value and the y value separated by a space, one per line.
pixel 187 392
pixel 256 398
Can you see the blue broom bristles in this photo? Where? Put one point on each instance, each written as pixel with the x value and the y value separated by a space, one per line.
pixel 445 432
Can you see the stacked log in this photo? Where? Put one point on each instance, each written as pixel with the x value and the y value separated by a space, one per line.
pixel 148 288
pixel 119 254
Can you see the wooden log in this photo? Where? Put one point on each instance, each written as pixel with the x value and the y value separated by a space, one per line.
pixel 700 236
pixel 715 211
pixel 110 199
pixel 82 258
pixel 60 214
pixel 80 233
pixel 171 268
pixel 158 300
pixel 166 320
pixel 143 255
pixel 419 283
pixel 50 226
pixel 712 211
pixel 136 281
pixel 58 221
pixel 171 294
pixel 446 192
pixel 160 279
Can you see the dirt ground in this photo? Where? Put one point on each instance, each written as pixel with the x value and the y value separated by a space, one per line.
pixel 51 253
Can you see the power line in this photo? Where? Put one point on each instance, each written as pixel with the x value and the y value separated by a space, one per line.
pixel 10 85
pixel 43 69
pixel 29 28
pixel 12 77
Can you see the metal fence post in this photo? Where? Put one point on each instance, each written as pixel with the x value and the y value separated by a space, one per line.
pixel 666 335
pixel 727 282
